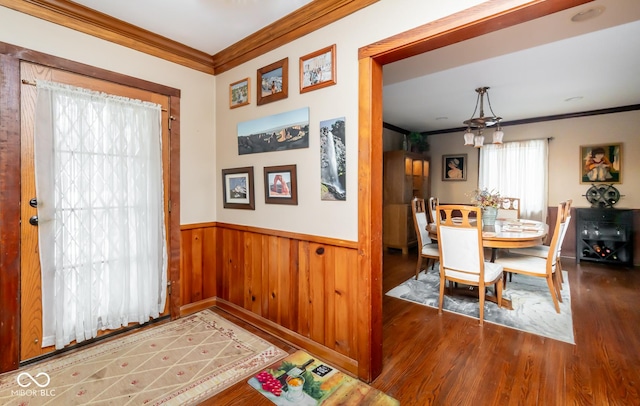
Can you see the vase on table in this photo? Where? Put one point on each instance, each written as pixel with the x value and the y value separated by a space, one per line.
pixel 489 215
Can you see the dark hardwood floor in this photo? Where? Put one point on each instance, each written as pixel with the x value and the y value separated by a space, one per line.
pixel 447 359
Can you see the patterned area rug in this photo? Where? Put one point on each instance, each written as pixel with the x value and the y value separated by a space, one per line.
pixel 533 309
pixel 303 380
pixel 178 363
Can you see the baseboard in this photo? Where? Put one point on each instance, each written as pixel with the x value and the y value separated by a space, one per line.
pixel 333 357
pixel 197 306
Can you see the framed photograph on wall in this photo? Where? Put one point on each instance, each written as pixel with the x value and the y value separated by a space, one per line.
pixel 601 163
pixel 318 69
pixel 237 190
pixel 454 167
pixel 273 82
pixel 280 185
pixel 239 93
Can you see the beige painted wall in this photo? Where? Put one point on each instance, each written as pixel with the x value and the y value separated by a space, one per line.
pixel 197 119
pixel 564 156
pixel 312 216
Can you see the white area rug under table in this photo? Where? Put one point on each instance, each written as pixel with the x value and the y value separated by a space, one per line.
pixel 533 310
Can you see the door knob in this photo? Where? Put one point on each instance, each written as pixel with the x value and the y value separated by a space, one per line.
pixel 33 220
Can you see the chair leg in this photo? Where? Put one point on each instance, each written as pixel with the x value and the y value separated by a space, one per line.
pixel 418 266
pixel 552 290
pixel 441 298
pixel 559 268
pixel 498 287
pixel 557 285
pixel 481 304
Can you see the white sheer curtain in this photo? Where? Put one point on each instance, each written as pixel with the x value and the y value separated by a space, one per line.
pixel 101 230
pixel 518 169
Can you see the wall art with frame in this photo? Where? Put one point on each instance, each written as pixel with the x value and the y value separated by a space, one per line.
pixel 454 167
pixel 280 185
pixel 601 163
pixel 273 82
pixel 318 69
pixel 278 132
pixel 237 184
pixel 239 93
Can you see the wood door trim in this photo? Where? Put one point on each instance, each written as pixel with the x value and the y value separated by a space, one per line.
pixel 10 58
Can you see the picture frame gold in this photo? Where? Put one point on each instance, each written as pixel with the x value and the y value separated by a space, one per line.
pixel 239 93
pixel 318 69
pixel 273 82
pixel 237 188
pixel 280 185
pixel 601 163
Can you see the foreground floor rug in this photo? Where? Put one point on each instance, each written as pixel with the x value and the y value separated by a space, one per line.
pixel 312 382
pixel 533 309
pixel 178 363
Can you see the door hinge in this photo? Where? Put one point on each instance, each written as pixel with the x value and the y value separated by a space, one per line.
pixel 169 287
pixel 169 205
pixel 171 118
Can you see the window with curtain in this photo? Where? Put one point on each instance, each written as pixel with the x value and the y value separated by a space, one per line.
pixel 518 169
pixel 101 228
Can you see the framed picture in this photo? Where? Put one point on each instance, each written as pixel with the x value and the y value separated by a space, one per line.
pixel 237 186
pixel 454 167
pixel 318 69
pixel 280 185
pixel 239 93
pixel 273 82
pixel 278 132
pixel 333 159
pixel 601 163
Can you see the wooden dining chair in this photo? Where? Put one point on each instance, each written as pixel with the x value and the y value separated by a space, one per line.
pixel 433 202
pixel 426 247
pixel 509 208
pixel 462 255
pixel 538 266
pixel 542 250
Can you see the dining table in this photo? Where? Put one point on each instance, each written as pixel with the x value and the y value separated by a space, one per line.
pixel 504 234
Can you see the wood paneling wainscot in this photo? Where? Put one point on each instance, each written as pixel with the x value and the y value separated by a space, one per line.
pixel 302 288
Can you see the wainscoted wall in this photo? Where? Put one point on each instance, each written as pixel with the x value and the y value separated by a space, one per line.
pixel 301 288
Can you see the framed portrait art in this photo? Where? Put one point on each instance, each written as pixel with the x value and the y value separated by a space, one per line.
pixel 239 93
pixel 273 82
pixel 318 69
pixel 280 185
pixel 601 163
pixel 237 190
pixel 454 167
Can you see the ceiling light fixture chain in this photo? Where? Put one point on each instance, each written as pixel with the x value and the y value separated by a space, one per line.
pixel 481 122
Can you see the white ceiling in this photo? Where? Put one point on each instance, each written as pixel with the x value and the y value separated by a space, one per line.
pixel 532 68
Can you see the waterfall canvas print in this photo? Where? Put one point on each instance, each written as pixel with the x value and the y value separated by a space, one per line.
pixel 333 166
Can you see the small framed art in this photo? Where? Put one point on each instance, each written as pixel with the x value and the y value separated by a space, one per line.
pixel 454 167
pixel 601 163
pixel 237 190
pixel 273 82
pixel 318 69
pixel 239 93
pixel 280 185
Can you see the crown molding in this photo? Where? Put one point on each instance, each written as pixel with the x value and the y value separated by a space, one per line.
pixel 303 21
pixel 308 18
pixel 88 21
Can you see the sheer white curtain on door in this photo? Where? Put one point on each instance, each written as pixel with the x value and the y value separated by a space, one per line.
pixel 518 169
pixel 103 255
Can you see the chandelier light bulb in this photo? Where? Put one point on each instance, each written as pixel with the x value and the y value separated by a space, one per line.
pixel 479 141
pixel 468 137
pixel 497 136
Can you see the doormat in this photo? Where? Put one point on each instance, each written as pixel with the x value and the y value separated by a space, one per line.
pixel 178 363
pixel 303 380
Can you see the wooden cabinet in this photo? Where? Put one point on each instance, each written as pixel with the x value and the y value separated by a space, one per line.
pixel 406 175
pixel 604 235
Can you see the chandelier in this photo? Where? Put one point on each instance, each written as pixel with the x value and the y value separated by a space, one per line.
pixel 478 124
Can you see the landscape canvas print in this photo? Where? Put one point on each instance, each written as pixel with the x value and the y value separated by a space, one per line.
pixel 279 132
pixel 333 165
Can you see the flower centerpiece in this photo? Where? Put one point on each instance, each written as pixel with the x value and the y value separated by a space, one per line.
pixel 484 198
pixel 488 201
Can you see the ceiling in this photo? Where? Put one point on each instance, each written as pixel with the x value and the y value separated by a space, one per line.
pixel 544 67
